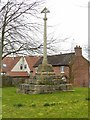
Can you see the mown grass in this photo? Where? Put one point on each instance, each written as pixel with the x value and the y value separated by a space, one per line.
pixel 56 105
pixel 0 103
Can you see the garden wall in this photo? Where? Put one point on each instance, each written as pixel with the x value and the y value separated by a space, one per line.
pixel 8 81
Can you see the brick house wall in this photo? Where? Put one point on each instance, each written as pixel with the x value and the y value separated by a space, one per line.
pixel 75 66
pixel 58 72
pixel 80 71
pixel 80 68
pixel 67 71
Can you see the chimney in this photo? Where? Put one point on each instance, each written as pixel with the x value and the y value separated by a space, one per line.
pixel 78 51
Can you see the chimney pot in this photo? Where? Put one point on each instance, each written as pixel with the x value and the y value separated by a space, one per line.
pixel 78 50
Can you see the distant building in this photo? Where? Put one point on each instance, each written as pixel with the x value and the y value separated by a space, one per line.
pixel 18 66
pixel 72 65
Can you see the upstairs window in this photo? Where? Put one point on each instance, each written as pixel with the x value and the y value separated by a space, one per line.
pixel 21 67
pixel 25 66
pixel 62 69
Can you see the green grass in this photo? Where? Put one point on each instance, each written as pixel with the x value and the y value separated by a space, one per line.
pixel 56 105
pixel 0 103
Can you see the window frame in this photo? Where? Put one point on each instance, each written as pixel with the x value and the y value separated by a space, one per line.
pixel 21 67
pixel 62 69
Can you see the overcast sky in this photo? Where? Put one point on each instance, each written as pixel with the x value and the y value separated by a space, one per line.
pixel 69 18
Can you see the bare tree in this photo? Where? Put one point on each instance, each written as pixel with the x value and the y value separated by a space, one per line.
pixel 20 28
pixel 18 25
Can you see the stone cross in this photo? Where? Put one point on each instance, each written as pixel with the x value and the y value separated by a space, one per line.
pixel 45 11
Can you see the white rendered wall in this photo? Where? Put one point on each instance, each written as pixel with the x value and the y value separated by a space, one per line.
pixel 23 62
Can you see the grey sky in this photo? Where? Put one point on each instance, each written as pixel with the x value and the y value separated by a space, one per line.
pixel 69 18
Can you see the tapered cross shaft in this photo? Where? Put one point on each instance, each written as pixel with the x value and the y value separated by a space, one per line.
pixel 45 11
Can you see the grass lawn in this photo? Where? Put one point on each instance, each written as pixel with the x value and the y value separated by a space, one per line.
pixel 56 105
pixel 0 103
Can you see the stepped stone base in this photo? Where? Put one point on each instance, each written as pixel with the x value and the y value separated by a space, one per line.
pixel 41 89
pixel 45 68
pixel 44 78
pixel 46 82
pixel 45 74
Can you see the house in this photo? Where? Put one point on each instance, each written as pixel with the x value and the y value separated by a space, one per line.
pixel 73 65
pixel 16 70
pixel 19 66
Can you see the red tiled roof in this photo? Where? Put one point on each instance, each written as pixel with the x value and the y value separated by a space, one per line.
pixel 10 62
pixel 31 60
pixel 18 74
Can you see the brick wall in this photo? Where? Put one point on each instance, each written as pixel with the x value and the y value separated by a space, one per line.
pixel 80 71
pixel 58 72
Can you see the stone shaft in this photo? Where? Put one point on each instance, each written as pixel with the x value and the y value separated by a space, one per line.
pixel 45 11
pixel 45 41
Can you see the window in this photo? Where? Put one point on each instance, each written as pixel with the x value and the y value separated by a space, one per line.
pixel 21 67
pixel 4 65
pixel 2 73
pixel 25 66
pixel 62 69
